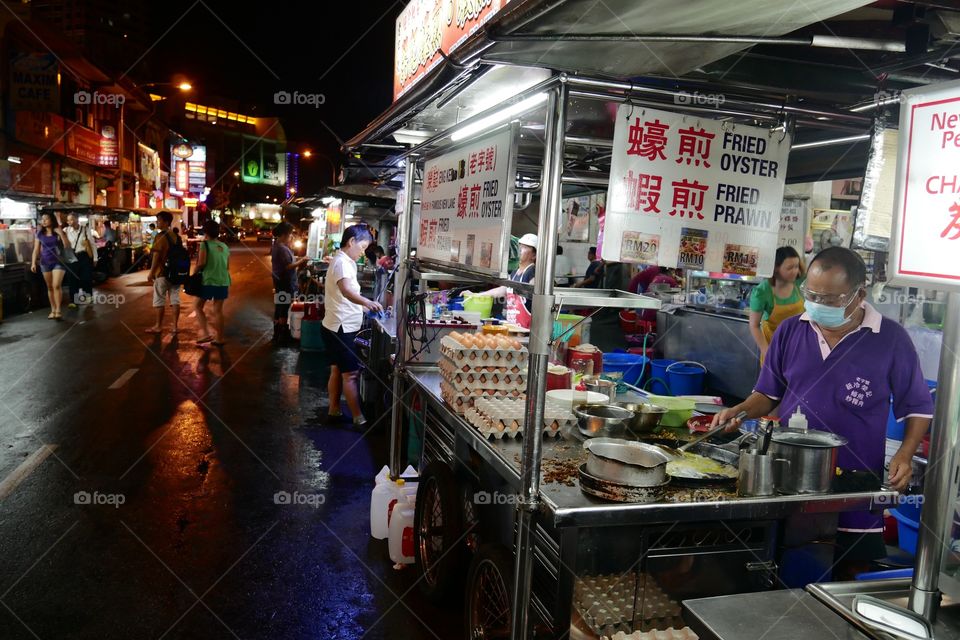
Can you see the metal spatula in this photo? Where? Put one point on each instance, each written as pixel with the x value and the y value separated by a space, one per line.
pixel 712 432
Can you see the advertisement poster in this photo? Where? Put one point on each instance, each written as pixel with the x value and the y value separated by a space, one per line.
pixel 467 203
pixel 740 259
pixel 693 249
pixel 926 223
pixel 639 247
pixel 672 172
pixel 575 222
pixel 428 30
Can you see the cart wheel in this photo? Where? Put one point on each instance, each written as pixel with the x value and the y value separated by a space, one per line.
pixel 437 533
pixel 489 593
pixel 471 517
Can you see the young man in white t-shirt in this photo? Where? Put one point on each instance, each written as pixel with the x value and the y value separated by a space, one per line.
pixel 343 316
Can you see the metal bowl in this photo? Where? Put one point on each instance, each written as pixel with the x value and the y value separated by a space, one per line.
pixel 647 416
pixel 623 461
pixel 602 420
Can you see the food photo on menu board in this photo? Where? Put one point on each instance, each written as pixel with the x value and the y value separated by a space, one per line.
pixel 697 185
pixel 471 240
pixel 455 251
pixel 576 220
pixel 486 253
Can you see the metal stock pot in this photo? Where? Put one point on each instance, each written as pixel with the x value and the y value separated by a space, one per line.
pixel 812 457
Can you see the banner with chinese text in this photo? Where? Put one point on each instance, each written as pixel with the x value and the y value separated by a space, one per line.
pixel 926 223
pixel 686 190
pixel 467 203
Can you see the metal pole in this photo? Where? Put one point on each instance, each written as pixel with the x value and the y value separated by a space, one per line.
pixel 120 155
pixel 940 488
pixel 404 225
pixel 541 330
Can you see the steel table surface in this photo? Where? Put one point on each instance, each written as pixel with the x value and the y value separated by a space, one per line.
pixel 567 506
pixel 771 615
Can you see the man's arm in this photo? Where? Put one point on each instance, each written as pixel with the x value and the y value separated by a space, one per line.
pixel 901 465
pixel 157 256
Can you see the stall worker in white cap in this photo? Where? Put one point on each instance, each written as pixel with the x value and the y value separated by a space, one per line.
pixel 516 307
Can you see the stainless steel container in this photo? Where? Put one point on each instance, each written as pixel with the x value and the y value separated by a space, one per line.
pixel 602 420
pixel 627 462
pixel 812 457
pixel 647 418
pixel 599 385
pixel 757 473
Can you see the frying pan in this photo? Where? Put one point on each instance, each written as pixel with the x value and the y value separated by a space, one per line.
pixel 706 450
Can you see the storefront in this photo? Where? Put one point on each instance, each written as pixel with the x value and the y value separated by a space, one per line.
pixel 542 553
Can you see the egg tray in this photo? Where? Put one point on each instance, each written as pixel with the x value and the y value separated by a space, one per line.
pixel 482 357
pixel 504 417
pixel 685 633
pixel 612 602
pixel 451 367
pixel 460 402
pixel 469 383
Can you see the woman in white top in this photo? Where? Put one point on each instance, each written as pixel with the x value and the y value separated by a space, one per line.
pixel 343 315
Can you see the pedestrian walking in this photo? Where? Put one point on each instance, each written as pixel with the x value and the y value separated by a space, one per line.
pixel 80 273
pixel 342 318
pixel 48 255
pixel 213 262
pixel 284 269
pixel 164 289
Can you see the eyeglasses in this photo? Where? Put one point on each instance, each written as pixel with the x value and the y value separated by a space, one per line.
pixel 829 299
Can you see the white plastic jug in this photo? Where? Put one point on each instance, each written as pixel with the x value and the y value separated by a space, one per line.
pixel 401 531
pixel 383 493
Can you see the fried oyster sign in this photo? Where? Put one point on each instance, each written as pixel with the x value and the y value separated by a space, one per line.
pixel 428 27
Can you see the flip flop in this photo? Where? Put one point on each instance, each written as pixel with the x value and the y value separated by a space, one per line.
pixel 205 340
pixel 52 316
pixel 152 331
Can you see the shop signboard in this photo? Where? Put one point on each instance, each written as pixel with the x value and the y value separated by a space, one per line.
pixel 109 148
pixel 149 167
pixel 926 222
pixel 82 144
pixel 41 130
pixel 261 164
pixel 34 82
pixel 428 30
pixel 188 169
pixel 33 175
pixel 694 183
pixel 467 204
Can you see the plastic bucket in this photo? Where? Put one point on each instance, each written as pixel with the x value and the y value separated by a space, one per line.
pixel 686 378
pixel 907 531
pixel 479 304
pixel 658 375
pixel 563 324
pixel 311 339
pixel 631 366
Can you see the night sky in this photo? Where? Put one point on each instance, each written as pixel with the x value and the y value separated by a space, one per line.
pixel 246 54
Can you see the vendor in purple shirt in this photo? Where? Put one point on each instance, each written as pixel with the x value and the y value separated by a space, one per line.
pixel 841 362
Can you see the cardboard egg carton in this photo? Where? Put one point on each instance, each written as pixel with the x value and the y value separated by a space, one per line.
pixel 460 401
pixel 472 381
pixel 482 357
pixel 464 366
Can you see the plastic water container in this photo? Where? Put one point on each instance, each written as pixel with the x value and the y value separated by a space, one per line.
pixel 631 366
pixel 401 531
pixel 294 320
pixel 658 376
pixel 685 378
pixel 384 498
pixel 907 531
pixel 563 324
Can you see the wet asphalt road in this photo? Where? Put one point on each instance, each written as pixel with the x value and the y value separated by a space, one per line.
pixel 181 463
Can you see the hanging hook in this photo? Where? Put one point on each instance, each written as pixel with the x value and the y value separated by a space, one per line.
pixel 630 102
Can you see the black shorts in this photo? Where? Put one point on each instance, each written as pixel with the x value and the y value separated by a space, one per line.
pixel 342 349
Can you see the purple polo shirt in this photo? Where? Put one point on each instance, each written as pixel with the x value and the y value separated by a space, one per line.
pixel 847 390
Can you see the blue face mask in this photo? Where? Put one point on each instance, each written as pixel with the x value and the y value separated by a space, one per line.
pixel 826 316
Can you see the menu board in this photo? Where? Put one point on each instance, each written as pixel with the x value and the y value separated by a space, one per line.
pixel 466 205
pixel 926 223
pixel 709 191
pixel 793 224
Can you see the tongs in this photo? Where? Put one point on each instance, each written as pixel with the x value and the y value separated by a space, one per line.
pixel 712 432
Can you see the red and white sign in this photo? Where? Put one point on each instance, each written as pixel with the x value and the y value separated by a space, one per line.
pixel 427 27
pixel 673 175
pixel 467 203
pixel 82 144
pixel 926 221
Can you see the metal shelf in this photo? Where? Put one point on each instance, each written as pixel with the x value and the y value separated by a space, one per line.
pixel 610 298
pixel 468 275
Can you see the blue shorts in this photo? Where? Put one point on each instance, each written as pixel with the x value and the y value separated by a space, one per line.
pixel 211 292
pixel 47 268
pixel 342 349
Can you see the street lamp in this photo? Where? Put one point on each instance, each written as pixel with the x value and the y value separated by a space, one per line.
pixel 333 168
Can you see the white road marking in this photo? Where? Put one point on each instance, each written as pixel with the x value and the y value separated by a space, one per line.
pixel 26 467
pixel 124 379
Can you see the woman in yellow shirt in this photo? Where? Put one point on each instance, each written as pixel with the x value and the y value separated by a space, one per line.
pixel 776 298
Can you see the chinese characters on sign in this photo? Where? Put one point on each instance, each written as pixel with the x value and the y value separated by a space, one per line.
pixel 467 203
pixel 711 192
pixel 793 223
pixel 926 229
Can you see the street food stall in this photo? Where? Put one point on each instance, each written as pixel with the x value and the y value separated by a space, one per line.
pixel 516 508
pixel 17 233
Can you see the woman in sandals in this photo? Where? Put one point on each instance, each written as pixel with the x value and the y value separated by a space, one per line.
pixel 213 262
pixel 47 250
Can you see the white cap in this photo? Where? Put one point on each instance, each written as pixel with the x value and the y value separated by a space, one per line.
pixel 529 239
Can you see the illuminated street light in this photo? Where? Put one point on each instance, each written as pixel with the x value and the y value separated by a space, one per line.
pixel 307 153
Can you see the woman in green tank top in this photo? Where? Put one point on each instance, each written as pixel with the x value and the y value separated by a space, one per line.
pixel 214 263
